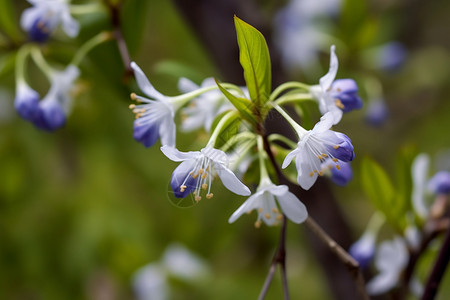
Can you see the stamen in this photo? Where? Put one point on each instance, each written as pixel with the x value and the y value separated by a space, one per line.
pixel 258 224
pixel 335 160
pixel 336 147
pixel 209 196
pixel 338 167
pixel 311 174
pixel 195 176
pixel 200 171
pixel 279 217
pixel 197 198
pixel 267 216
pixel 260 209
pixel 183 188
pixel 133 96
pixel 204 175
pixel 132 106
pixel 275 210
pixel 339 104
pixel 204 186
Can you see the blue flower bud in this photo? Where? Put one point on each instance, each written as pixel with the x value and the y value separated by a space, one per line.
pixel 50 116
pixel 146 134
pixel 363 250
pixel 440 183
pixel 343 150
pixel 342 176
pixel 183 183
pixel 26 102
pixel 346 90
pixel 377 112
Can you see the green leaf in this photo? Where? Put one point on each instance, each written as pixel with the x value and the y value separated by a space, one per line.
pixel 8 22
pixel 243 105
pixel 255 60
pixel 378 187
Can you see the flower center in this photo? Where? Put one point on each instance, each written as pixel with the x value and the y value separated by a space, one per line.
pixel 202 178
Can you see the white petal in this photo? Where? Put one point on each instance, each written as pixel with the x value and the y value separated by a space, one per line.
pixel 69 24
pixel 167 132
pixel 325 123
pixel 176 155
pixel 230 181
pixel 186 85
pixel 144 84
pixel 250 204
pixel 419 175
pixel 327 79
pixel 293 208
pixel 289 157
pixel 29 16
pixel 278 190
pixel 381 283
pixel 306 164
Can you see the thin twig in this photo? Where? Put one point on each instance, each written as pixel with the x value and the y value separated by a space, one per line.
pixel 438 270
pixel 351 264
pixel 114 10
pixel 278 258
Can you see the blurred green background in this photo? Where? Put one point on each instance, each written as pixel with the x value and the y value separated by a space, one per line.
pixel 83 208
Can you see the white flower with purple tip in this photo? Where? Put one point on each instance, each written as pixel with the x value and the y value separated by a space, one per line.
pixel 336 96
pixel 268 211
pixel 316 146
pixel 197 171
pixel 42 19
pixel 56 104
pixel 154 118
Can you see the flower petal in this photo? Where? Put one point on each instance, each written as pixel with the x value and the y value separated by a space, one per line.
pixel 292 207
pixel 250 204
pixel 381 283
pixel 419 175
pixel 144 84
pixel 289 157
pixel 175 155
pixel 327 79
pixel 69 24
pixel 230 181
pixel 186 85
pixel 178 178
pixel 167 131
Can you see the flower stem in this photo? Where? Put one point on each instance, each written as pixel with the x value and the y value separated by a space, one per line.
pixel 283 139
pixel 81 9
pixel 40 61
pixel 264 175
pixel 294 98
pixel 21 62
pixel 288 85
pixel 298 129
pixel 218 129
pixel 89 45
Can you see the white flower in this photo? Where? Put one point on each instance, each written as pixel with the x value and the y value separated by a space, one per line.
pixel 197 170
pixel 203 109
pixel 155 116
pixel 264 202
pixel 150 283
pixel 336 96
pixel 45 15
pixel 181 263
pixel 419 171
pixel 314 147
pixel 391 259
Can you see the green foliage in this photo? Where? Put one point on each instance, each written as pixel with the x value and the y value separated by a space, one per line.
pixel 8 23
pixel 243 105
pixel 255 60
pixel 379 188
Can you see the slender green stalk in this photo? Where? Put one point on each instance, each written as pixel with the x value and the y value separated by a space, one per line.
pixel 89 45
pixel 217 130
pixel 294 98
pixel 40 61
pixel 278 137
pixel 21 62
pixel 81 9
pixel 286 86
pixel 299 129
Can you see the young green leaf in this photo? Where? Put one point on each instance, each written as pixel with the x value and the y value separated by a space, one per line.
pixel 255 60
pixel 244 106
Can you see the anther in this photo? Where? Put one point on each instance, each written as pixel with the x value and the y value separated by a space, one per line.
pixel 275 210
pixel 200 171
pixel 338 167
pixel 267 216
pixel 336 146
pixel 133 96
pixel 258 224
pixel 204 175
pixel 311 174
pixel 204 186
pixel 198 198
pixel 335 160
pixel 195 176
pixel 209 196
pixel 339 104
pixel 279 217
pixel 260 209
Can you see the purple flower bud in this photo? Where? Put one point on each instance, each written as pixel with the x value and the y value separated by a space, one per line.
pixel 26 102
pixel 146 134
pixel 377 112
pixel 343 150
pixel 40 30
pixel 342 176
pixel 440 183
pixel 51 116
pixel 363 250
pixel 346 90
pixel 392 56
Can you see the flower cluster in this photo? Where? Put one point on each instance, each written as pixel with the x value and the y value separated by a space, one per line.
pixel 215 108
